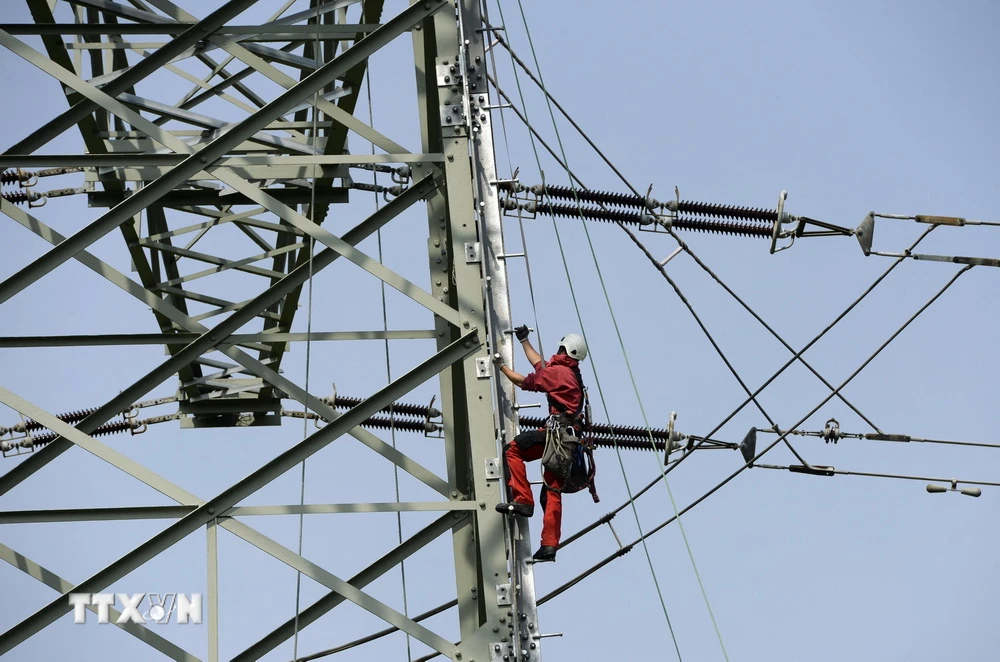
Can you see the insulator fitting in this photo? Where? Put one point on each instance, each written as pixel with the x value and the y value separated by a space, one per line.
pixel 106 429
pixel 63 192
pixel 53 172
pixel 723 227
pixel 70 417
pixel 363 186
pixel 14 176
pixel 510 186
pixel 592 213
pixel 722 211
pixel 831 431
pixel 396 189
pixel 633 218
pixel 396 408
pixel 601 197
pixel 26 178
pixel 399 175
pixel 22 197
pixel 606 436
pixel 375 167
pixel 509 204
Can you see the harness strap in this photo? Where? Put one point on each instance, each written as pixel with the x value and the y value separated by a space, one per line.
pixel 554 446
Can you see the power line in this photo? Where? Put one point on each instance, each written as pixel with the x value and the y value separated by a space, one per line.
pixel 305 421
pixel 831 471
pixel 681 243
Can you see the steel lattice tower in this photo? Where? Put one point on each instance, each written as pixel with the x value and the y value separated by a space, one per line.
pixel 275 172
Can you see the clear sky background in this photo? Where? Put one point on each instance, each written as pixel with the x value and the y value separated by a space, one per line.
pixel 850 107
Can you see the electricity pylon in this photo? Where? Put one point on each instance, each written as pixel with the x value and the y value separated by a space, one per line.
pixel 273 165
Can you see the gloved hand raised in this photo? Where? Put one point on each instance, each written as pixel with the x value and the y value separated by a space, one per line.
pixel 521 332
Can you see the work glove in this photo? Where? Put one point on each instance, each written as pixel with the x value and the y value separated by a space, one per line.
pixel 497 359
pixel 521 332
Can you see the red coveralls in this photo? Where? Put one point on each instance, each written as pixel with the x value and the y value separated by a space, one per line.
pixel 557 379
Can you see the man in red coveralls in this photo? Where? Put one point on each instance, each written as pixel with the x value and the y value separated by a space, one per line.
pixel 559 378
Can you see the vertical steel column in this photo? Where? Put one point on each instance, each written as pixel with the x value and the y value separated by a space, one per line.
pixel 212 543
pixel 464 244
pixel 524 625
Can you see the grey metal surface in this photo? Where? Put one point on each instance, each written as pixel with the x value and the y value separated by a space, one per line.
pixel 260 175
pixel 210 153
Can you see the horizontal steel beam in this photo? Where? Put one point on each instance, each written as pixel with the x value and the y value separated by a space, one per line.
pixel 131 159
pixel 12 160
pixel 268 32
pixel 9 342
pixel 287 196
pixel 177 512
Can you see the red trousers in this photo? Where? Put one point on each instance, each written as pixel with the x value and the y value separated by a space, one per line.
pixel 526 447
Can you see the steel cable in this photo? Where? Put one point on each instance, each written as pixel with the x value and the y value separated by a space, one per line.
pixel 309 310
pixel 686 206
pixel 625 549
pixel 569 279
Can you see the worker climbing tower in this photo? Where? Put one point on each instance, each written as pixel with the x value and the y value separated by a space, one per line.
pixel 253 281
pixel 260 156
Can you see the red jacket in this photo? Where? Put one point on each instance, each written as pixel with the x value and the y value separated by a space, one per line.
pixel 557 378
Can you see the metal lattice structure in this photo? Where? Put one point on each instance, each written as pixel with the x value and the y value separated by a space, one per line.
pixel 169 176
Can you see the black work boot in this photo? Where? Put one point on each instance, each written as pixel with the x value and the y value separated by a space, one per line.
pixel 544 553
pixel 516 508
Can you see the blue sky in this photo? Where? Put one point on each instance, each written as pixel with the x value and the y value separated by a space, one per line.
pixel 850 107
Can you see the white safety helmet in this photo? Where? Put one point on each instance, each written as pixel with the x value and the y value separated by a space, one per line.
pixel 575 346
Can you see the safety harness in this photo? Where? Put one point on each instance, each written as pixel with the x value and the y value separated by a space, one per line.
pixel 568 454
